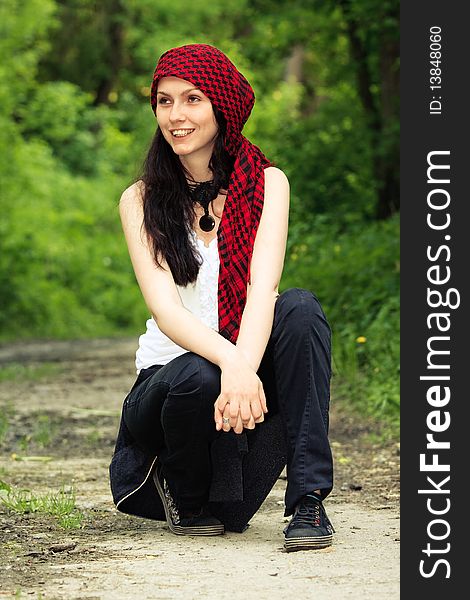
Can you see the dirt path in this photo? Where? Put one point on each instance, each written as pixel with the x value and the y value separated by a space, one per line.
pixel 70 413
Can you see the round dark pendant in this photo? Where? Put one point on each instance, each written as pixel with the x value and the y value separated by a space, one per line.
pixel 207 223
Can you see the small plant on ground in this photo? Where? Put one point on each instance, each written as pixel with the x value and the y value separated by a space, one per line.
pixel 44 431
pixel 61 505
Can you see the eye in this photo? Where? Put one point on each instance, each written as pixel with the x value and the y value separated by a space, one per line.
pixel 193 99
pixel 163 100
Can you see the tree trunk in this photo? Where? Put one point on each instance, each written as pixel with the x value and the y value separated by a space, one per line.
pixel 380 115
pixel 294 65
pixel 388 201
pixel 115 32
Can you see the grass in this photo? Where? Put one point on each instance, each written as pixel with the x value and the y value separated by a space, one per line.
pixel 94 436
pixel 19 371
pixel 368 382
pixel 44 431
pixel 42 434
pixel 6 413
pixel 61 505
pixel 18 594
pixel 362 397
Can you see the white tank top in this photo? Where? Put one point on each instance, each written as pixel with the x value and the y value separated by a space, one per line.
pixel 200 298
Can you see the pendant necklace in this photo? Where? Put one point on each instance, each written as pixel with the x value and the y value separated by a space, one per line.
pixel 203 192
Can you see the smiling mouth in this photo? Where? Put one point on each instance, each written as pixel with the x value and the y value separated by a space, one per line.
pixel 180 133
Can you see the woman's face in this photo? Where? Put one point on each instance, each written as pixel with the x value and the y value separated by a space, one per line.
pixel 185 117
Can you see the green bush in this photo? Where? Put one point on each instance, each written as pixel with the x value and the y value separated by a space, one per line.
pixel 75 122
pixel 355 274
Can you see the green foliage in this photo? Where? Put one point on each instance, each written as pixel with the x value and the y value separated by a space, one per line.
pixel 355 274
pixel 334 177
pixel 75 124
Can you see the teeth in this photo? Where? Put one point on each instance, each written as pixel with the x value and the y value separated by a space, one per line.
pixel 181 132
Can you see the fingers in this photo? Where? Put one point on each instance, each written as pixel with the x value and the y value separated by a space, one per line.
pixel 220 403
pixel 226 419
pixel 228 415
pixel 219 407
pixel 262 397
pixel 239 415
pixel 239 426
pixel 245 411
pixel 217 417
pixel 256 410
pixel 233 412
pixel 250 424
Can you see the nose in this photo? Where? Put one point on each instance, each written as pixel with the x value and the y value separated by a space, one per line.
pixel 176 112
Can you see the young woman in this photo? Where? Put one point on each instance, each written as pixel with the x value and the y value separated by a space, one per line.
pixel 233 377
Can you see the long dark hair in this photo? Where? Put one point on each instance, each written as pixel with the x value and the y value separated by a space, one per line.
pixel 168 208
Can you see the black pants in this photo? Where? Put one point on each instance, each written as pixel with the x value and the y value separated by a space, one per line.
pixel 170 412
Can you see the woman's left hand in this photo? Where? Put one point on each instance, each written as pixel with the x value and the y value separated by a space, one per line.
pixel 241 395
pixel 239 425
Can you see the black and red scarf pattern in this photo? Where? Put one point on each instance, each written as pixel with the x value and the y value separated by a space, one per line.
pixel 214 74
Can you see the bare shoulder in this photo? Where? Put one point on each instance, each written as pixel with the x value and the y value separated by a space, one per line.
pixel 130 203
pixel 132 195
pixel 276 189
pixel 275 177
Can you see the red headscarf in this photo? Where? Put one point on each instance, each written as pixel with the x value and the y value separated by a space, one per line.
pixel 215 75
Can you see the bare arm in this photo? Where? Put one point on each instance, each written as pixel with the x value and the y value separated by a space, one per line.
pixel 239 382
pixel 266 268
pixel 160 292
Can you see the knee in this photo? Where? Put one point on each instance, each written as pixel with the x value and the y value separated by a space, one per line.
pixel 210 377
pixel 197 377
pixel 296 303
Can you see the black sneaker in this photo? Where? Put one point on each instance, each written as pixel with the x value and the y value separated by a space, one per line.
pixel 199 523
pixel 309 527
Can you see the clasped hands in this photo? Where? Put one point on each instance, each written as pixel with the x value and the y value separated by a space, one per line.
pixel 242 402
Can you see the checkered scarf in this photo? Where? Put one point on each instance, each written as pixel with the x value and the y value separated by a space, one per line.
pixel 212 72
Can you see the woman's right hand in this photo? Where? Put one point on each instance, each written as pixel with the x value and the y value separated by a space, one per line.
pixel 241 398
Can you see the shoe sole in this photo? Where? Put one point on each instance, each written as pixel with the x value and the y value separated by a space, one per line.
pixel 204 530
pixel 313 543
